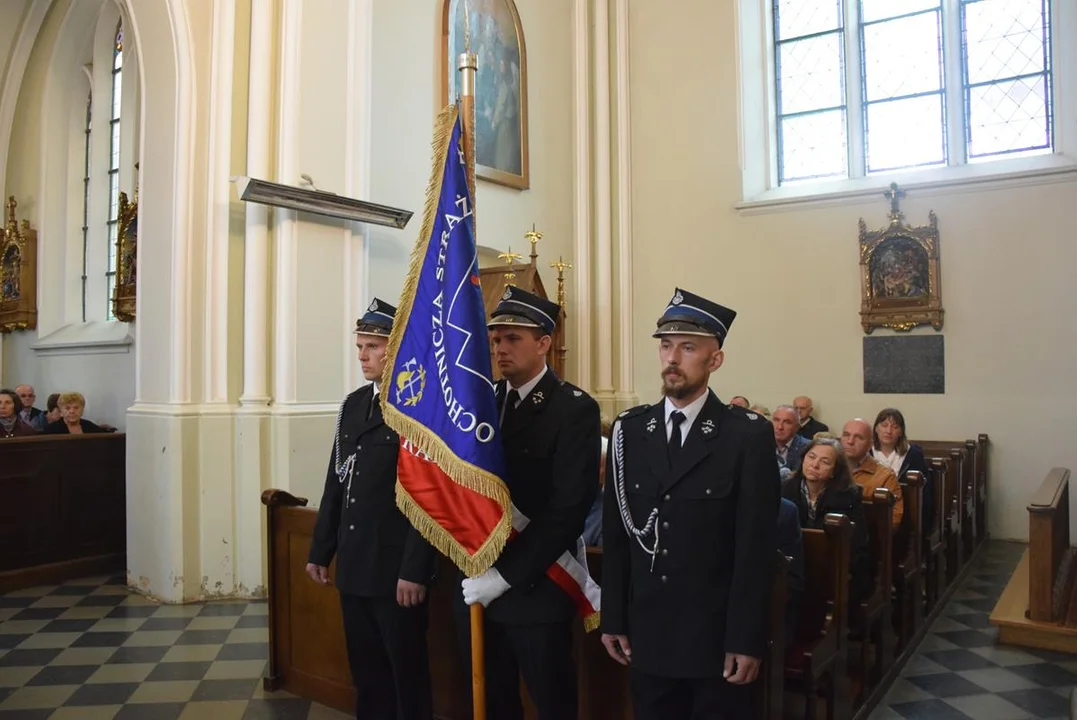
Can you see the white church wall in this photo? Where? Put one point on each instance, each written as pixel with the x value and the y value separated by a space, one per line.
pixel 1007 260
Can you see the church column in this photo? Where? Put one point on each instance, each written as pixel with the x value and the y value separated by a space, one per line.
pixel 603 279
pixel 251 428
pixel 581 141
pixel 625 382
pixel 256 243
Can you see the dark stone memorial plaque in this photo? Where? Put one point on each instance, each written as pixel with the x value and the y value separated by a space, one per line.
pixel 909 364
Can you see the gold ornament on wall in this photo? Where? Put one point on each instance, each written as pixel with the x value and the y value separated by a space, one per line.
pixel 18 273
pixel 899 272
pixel 124 292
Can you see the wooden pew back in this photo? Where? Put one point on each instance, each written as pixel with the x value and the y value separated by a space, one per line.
pixel 1048 543
pixel 64 510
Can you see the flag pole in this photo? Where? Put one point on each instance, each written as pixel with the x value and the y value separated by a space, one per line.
pixel 467 65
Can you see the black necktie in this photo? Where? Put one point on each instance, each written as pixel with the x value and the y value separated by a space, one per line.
pixel 676 440
pixel 511 401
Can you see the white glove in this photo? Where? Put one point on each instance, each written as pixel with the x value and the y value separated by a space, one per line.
pixel 485 588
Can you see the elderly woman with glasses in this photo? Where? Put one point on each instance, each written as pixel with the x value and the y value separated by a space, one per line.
pixel 824 484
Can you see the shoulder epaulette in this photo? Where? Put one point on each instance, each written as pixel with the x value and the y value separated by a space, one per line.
pixel 571 389
pixel 738 411
pixel 632 412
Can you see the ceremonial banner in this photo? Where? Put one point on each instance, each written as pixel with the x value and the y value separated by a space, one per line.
pixel 438 392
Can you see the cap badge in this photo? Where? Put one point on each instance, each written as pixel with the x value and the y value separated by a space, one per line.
pixel 373 306
pixel 677 299
pixel 707 426
pixel 508 293
pixel 651 424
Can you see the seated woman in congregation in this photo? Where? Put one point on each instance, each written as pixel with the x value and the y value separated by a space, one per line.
pixel 10 424
pixel 893 449
pixel 72 405
pixel 52 409
pixel 822 485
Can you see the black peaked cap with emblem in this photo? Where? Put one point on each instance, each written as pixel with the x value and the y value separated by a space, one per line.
pixel 689 314
pixel 523 309
pixel 378 319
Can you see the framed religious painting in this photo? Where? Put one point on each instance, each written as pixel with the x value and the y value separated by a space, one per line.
pixel 497 40
pixel 899 272
pixel 18 274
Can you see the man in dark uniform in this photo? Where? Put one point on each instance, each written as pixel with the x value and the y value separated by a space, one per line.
pixel 551 433
pixel 690 530
pixel 383 565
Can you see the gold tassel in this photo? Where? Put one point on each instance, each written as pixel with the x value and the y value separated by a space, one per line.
pixel 462 473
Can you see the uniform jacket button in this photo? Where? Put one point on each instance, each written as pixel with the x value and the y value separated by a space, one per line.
pixel 637 486
pixel 665 551
pixel 351 527
pixel 351 500
pixel 708 491
pixel 666 496
pixel 664 578
pixel 665 526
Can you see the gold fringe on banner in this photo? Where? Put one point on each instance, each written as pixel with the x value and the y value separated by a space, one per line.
pixel 426 441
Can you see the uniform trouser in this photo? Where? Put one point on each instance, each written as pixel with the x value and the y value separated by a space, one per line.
pixel 540 652
pixel 712 698
pixel 388 658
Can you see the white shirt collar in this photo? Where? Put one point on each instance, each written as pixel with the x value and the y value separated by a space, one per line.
pixel 691 412
pixel 528 386
pixel 376 389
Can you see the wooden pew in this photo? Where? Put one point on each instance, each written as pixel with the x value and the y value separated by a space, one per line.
pixel 872 617
pixel 815 665
pixel 1038 608
pixel 908 571
pixel 980 462
pixel 1049 552
pixel 64 511
pixel 960 497
pixel 935 539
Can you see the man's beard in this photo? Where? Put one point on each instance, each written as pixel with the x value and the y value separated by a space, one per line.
pixel 679 392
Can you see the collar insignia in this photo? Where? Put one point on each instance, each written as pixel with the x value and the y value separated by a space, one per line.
pixel 537 397
pixel 651 424
pixel 707 426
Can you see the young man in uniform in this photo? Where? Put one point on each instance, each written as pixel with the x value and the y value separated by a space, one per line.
pixel 551 434
pixel 384 567
pixel 690 524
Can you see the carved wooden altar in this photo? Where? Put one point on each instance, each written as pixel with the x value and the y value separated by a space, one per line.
pixel 18 273
pixel 526 276
pixel 123 294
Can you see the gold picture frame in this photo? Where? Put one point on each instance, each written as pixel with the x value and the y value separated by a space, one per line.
pixel 899 272
pixel 18 273
pixel 497 39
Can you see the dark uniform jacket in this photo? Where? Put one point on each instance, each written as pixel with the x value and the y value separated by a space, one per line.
pixel 708 591
pixel 846 501
pixel 373 542
pixel 552 450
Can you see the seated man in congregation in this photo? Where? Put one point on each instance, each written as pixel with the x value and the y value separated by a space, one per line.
pixel 891 447
pixel 808 424
pixel 868 473
pixel 29 414
pixel 791 446
pixel 740 401
pixel 10 423
pixel 72 405
pixel 823 485
pixel 52 410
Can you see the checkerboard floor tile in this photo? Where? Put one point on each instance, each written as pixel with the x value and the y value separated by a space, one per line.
pixel 91 650
pixel 961 672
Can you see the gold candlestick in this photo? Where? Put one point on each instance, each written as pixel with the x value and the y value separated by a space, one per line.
pixel 510 258
pixel 533 236
pixel 560 266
